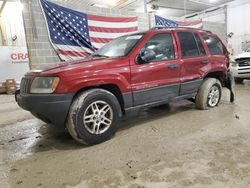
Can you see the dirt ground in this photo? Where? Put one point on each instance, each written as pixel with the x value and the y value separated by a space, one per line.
pixel 173 145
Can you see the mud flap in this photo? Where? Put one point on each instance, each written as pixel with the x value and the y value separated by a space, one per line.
pixel 230 84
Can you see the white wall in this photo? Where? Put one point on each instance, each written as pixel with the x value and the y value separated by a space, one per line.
pixel 238 23
pixel 13 24
pixel 218 16
pixel 238 16
pixel 41 52
pixel 215 16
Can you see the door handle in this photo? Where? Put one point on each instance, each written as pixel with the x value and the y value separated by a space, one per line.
pixel 204 62
pixel 173 66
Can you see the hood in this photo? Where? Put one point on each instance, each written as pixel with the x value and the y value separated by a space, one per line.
pixel 243 55
pixel 89 63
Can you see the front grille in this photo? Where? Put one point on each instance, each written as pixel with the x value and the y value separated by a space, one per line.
pixel 25 85
pixel 244 73
pixel 244 69
pixel 244 62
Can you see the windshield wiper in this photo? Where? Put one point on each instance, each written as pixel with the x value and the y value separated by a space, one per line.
pixel 100 55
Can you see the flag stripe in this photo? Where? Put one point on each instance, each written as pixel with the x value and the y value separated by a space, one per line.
pixel 112 30
pixel 73 53
pixel 198 26
pixel 100 40
pixel 118 20
pixel 68 57
pixel 190 23
pixel 112 24
pixel 107 35
pixel 73 48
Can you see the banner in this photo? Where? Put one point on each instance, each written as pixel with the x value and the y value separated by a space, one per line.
pixel 14 62
pixel 160 21
pixel 75 35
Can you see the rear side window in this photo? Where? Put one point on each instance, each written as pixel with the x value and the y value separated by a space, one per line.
pixel 214 45
pixel 189 47
pixel 199 43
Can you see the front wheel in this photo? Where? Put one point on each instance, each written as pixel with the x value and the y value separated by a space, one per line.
pixel 209 94
pixel 94 116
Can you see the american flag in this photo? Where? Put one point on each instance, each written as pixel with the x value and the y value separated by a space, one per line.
pixel 75 35
pixel 160 21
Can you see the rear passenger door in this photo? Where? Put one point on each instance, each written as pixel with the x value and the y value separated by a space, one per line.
pixel 193 60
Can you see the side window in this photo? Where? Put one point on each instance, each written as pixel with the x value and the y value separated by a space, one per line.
pixel 189 47
pixel 199 43
pixel 214 45
pixel 162 47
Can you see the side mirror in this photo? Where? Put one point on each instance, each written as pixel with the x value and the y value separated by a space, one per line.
pixel 146 56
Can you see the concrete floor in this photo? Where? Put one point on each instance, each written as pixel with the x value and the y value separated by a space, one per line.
pixel 169 146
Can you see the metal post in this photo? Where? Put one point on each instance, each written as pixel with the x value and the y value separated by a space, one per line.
pixel 185 7
pixel 148 14
pixel 145 7
pixel 226 19
pixel 2 7
pixel 2 30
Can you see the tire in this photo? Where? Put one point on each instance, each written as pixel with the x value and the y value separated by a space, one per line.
pixel 209 94
pixel 87 120
pixel 238 80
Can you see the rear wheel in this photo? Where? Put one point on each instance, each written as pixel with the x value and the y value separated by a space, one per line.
pixel 209 94
pixel 94 116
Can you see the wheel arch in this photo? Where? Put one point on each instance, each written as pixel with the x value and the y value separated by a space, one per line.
pixel 220 75
pixel 112 88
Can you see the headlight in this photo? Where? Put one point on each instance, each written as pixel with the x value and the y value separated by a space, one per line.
pixel 44 84
pixel 233 64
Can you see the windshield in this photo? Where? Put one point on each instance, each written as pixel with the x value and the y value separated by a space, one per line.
pixel 118 47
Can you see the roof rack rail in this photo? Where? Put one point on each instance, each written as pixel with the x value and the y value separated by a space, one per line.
pixel 173 27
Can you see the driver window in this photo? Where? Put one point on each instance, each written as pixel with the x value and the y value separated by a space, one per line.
pixel 162 46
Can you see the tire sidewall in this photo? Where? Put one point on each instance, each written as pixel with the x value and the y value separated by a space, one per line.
pixel 78 122
pixel 219 87
pixel 201 99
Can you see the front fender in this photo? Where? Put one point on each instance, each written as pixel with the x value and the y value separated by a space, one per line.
pixel 73 83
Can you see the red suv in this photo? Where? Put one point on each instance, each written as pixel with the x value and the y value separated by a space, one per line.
pixel 141 70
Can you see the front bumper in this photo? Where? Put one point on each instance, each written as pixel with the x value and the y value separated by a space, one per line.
pixel 240 72
pixel 50 108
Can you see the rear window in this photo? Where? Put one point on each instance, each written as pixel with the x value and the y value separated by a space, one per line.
pixel 189 47
pixel 214 45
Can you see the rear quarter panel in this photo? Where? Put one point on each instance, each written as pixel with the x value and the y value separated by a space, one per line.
pixel 218 63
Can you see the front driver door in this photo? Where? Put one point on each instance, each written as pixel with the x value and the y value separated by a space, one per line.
pixel 158 79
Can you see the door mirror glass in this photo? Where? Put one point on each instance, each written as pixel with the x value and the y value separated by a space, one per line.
pixel 147 56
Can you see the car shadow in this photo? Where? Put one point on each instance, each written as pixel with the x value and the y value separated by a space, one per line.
pixel 157 112
pixel 52 139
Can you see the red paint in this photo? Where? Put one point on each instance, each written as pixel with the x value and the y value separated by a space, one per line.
pixel 129 76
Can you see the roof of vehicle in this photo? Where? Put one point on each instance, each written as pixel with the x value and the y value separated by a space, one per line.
pixel 160 28
pixel 179 28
